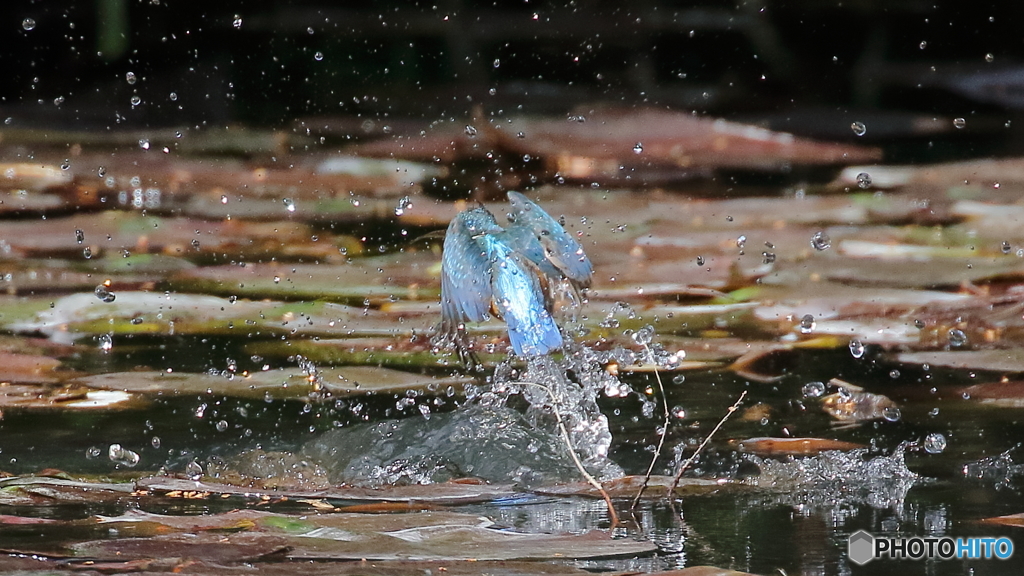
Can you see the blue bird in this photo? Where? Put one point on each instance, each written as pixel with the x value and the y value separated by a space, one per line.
pixel 483 274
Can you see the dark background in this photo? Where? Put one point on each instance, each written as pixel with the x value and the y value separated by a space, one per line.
pixel 806 66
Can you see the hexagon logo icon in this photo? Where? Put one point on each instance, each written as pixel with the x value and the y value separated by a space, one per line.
pixel 861 547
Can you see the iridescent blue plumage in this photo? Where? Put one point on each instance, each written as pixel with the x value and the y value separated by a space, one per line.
pixel 484 271
pixel 545 242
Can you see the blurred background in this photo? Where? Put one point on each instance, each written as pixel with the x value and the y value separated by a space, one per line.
pixel 905 68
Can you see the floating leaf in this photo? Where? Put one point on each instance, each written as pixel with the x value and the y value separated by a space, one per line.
pixel 792 446
pixel 283 383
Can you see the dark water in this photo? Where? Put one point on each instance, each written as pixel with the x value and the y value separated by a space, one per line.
pixel 800 526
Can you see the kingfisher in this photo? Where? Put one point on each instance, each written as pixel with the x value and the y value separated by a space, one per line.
pixel 509 273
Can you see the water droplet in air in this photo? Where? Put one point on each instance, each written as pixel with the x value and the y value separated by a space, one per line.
pixel 237 22
pixel 136 100
pixel 79 236
pixel 155 441
pixel 644 336
pixel 894 374
pixel 741 241
pixel 193 470
pixel 678 379
pixel 959 123
pixel 957 338
pixel 174 96
pixel 106 342
pixel 144 143
pixel 891 413
pixel 104 294
pixel 821 241
pixel 856 348
pixel 404 204
pixel 989 57
pixel 289 204
pixel 1006 247
pixel 222 425
pixel 130 77
pixel 318 56
pixel 65 165
pixel 864 180
pixel 678 412
pixel 923 45
pixel 807 324
pixel 638 148
pixel 28 24
pixel 859 128
pixel 122 456
pixel 471 131
pixel 813 389
pixel 101 171
pixel 700 260
pixel 87 252
pixel 768 257
pixel 934 443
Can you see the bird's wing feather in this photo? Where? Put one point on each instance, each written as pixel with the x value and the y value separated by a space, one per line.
pixel 465 283
pixel 558 246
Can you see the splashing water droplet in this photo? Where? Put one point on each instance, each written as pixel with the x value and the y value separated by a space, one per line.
pixel 864 180
pixel 957 338
pixel 807 324
pixel 644 336
pixel 122 456
pixel 193 470
pixel 106 343
pixel 891 413
pixel 859 128
pixel 289 204
pixel 104 294
pixel 28 24
pixel 856 348
pixel 820 241
pixel 959 123
pixel 130 77
pixel 813 389
pixel 404 204
pixel 638 148
pixel 678 412
pixel 237 22
pixel 934 443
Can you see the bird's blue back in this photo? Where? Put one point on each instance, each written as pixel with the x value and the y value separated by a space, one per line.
pixel 519 299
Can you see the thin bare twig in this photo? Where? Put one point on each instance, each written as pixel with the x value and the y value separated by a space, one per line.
pixel 685 465
pixel 661 438
pixel 572 452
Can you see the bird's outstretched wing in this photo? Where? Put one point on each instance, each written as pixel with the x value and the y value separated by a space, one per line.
pixel 557 247
pixel 465 281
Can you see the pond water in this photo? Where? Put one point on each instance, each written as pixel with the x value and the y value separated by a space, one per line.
pixel 287 352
